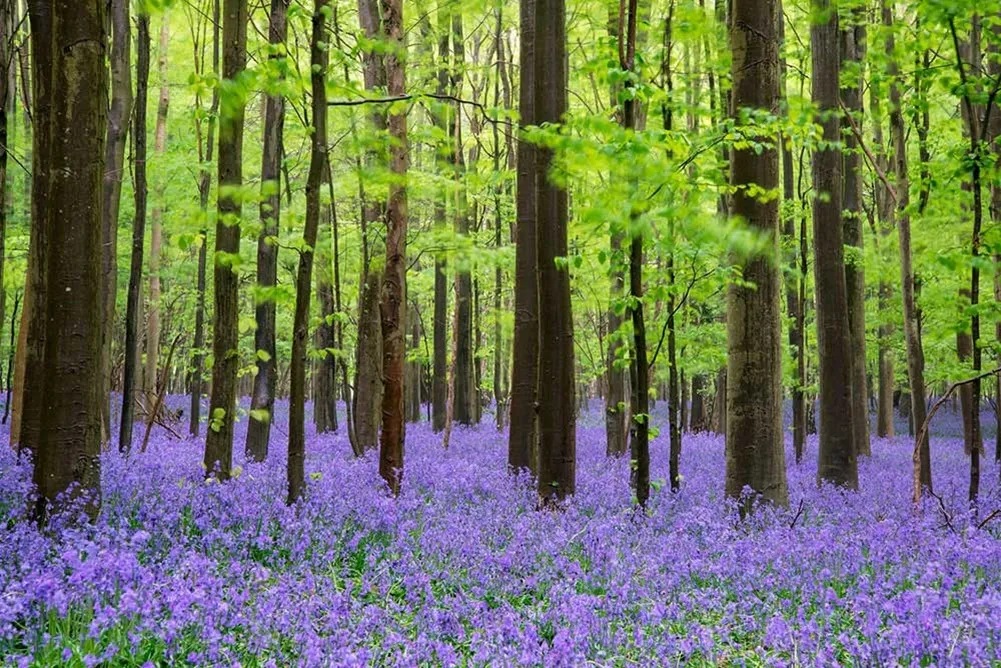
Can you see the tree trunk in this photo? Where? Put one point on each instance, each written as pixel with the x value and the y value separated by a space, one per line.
pixel 262 401
pixel 138 239
pixel 325 366
pixel 912 330
pixel 498 384
pixel 65 399
pixel 394 286
pixel 523 437
pixel 368 366
pixel 304 277
pixel 884 212
pixel 439 390
pixel 225 339
pixel 413 377
pixel 557 422
pixel 697 415
pixel 837 461
pixel 114 168
pixel 204 186
pixel 755 456
pixel 852 57
pixel 156 230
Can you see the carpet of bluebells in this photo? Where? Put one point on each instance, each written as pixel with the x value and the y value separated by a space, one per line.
pixel 462 569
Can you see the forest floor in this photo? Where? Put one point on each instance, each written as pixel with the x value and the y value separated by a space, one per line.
pixel 462 570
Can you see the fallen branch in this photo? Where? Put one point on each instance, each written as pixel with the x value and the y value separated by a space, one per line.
pixel 799 513
pixel 987 519
pixel 923 431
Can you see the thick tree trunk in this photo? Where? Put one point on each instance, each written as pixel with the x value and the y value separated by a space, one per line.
pixel 368 366
pixel 523 437
pixel 394 285
pixel 557 422
pixel 225 340
pixel 133 302
pixel 65 400
pixel 114 170
pixel 755 456
pixel 837 461
pixel 852 55
pixel 304 277
pixel 262 401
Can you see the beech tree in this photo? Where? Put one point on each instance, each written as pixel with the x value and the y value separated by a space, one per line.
pixel 222 406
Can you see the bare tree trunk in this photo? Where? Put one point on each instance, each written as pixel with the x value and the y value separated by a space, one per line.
pixel 912 331
pixel 498 218
pixel 156 230
pixel 65 400
pixel 138 240
pixel 557 421
pixel 225 340
pixel 523 437
pixel 853 47
pixel 304 278
pixel 697 415
pixel 368 367
pixel 205 152
pixel 114 169
pixel 262 401
pixel 394 286
pixel 837 461
pixel 755 456
pixel 884 214
pixel 439 390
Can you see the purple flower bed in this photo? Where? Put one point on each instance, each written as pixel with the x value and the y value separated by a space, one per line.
pixel 462 570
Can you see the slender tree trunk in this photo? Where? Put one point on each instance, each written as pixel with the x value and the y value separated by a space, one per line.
pixel 439 390
pixel 498 218
pixel 304 278
pixel 114 169
pixel 837 462
pixel 225 339
pixel 912 331
pixel 793 277
pixel 852 50
pixel 523 437
pixel 138 240
pixel 67 412
pixel 263 398
pixel 394 286
pixel 156 230
pixel 205 152
pixel 697 415
pixel 557 420
pixel 884 214
pixel 755 456
pixel 615 375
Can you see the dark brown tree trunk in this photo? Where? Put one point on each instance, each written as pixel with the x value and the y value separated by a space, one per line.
pixel 852 57
pixel 304 277
pixel 755 456
pixel 225 339
pixel 394 285
pixel 837 461
pixel 325 366
pixel 263 398
pixel 133 305
pixel 413 375
pixel 523 438
pixel 912 329
pixel 114 169
pixel 205 151
pixel 640 370
pixel 557 421
pixel 68 409
pixel 697 416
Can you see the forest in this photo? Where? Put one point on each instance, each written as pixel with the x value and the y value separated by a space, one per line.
pixel 480 332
